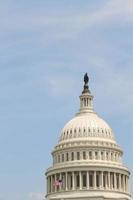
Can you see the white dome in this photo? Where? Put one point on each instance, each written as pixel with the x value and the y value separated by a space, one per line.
pixel 87 160
pixel 86 126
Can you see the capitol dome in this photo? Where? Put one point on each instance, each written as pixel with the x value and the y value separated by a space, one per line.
pixel 87 126
pixel 87 161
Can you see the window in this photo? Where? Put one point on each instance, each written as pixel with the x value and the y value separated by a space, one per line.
pixel 67 157
pixel 72 156
pixel 58 158
pixel 84 155
pixel 78 156
pixel 107 155
pixel 90 155
pixel 96 155
pixel 62 157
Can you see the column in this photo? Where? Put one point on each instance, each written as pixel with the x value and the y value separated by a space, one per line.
pixel 109 180
pixel 106 180
pixel 123 181
pixel 88 180
pixel 74 155
pixel 66 181
pixel 99 155
pixel 80 179
pixel 55 178
pixel 87 155
pixel 104 155
pixel 73 181
pixel 114 157
pixel 94 179
pixel 81 155
pixel 109 155
pixel 101 184
pixel 128 184
pixel 93 155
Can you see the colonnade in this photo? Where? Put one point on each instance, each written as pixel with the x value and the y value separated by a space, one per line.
pixel 87 155
pixel 88 180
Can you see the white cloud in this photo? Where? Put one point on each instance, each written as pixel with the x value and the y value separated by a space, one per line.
pixel 114 10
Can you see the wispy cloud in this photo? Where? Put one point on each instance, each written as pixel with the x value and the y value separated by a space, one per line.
pixel 66 26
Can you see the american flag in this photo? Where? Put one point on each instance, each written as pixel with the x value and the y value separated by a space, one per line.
pixel 57 183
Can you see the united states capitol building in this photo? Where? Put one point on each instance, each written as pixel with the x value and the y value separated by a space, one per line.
pixel 87 161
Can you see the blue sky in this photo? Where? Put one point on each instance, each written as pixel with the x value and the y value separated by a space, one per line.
pixel 45 49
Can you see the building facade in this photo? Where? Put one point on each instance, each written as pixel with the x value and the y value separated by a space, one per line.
pixel 87 161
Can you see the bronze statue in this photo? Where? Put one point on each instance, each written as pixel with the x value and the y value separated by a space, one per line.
pixel 86 87
pixel 86 78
